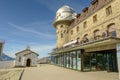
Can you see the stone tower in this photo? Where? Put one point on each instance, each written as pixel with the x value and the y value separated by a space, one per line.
pixel 63 19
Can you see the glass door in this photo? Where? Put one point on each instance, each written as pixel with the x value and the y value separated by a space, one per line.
pixel 112 61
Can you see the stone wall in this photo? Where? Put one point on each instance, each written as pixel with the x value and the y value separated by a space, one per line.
pixel 7 64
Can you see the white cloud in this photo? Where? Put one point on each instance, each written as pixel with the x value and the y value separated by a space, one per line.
pixel 51 36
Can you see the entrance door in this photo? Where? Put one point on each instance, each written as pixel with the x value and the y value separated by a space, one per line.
pixel 28 63
pixel 112 61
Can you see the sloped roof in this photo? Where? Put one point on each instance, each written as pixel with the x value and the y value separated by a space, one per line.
pixel 27 53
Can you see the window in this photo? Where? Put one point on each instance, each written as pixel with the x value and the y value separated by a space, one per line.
pixel 61 26
pixel 78 39
pixel 85 38
pixel 111 30
pixel 94 3
pixel 61 35
pixel 77 29
pixel 71 32
pixel 85 24
pixel 94 18
pixel 85 10
pixel 108 10
pixel 19 59
pixel 97 34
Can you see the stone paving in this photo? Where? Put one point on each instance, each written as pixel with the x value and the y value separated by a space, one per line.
pixel 51 72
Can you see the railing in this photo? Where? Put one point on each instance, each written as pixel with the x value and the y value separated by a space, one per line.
pixel 88 41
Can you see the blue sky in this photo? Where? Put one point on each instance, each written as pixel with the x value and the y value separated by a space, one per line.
pixel 29 22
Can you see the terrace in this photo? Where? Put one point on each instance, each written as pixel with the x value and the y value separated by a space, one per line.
pixel 98 40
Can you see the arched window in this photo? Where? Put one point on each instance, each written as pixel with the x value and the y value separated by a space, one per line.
pixel 85 38
pixel 111 30
pixel 78 40
pixel 97 34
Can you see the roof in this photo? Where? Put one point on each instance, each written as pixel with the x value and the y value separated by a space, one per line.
pixel 65 8
pixel 26 53
pixel 88 11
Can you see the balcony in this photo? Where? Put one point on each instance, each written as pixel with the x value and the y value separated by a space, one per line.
pixel 97 40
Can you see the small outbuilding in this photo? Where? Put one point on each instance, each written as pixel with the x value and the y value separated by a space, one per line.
pixel 26 58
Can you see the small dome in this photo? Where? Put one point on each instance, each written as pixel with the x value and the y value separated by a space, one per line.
pixel 65 8
pixel 65 13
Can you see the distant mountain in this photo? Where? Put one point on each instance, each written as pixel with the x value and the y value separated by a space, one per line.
pixel 6 57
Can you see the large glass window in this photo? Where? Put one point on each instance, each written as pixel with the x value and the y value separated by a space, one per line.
pixel 68 60
pixel 71 60
pixel 101 60
pixel 78 60
pixel 74 60
pixel 86 62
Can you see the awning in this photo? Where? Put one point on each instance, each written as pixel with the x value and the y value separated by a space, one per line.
pixel 70 43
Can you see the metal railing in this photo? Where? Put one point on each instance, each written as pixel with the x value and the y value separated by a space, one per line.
pixel 85 42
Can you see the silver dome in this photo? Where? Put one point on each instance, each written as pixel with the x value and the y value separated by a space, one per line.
pixel 65 13
pixel 65 8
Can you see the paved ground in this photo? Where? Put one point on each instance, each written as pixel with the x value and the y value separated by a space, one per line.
pixel 10 74
pixel 51 72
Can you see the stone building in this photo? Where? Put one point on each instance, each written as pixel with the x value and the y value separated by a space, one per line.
pixel 44 60
pixel 26 58
pixel 1 48
pixel 88 41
